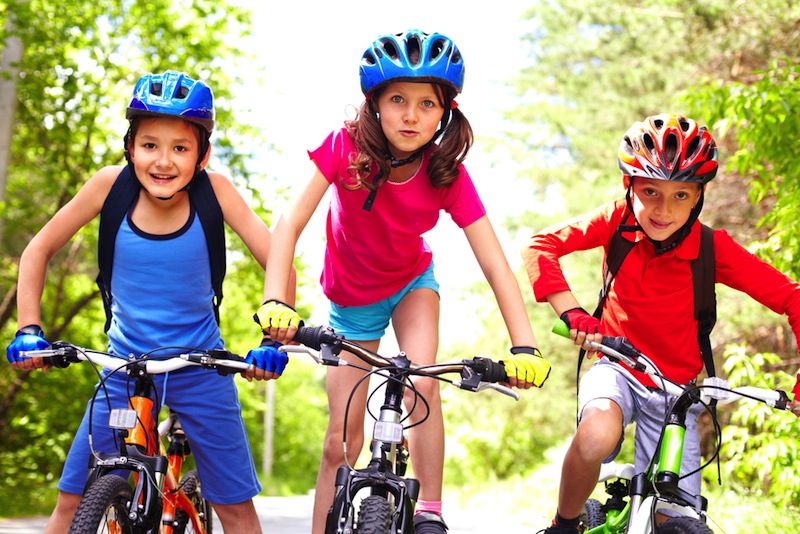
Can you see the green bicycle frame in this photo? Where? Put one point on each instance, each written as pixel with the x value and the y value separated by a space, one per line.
pixel 671 451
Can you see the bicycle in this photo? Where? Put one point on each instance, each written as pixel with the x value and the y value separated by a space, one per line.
pixel 656 489
pixel 157 498
pixel 389 507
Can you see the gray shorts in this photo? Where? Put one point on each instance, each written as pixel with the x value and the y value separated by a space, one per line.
pixel 646 407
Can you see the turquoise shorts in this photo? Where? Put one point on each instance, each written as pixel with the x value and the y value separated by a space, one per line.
pixel 369 322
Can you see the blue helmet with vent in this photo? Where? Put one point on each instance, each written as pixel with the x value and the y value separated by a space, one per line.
pixel 173 94
pixel 412 56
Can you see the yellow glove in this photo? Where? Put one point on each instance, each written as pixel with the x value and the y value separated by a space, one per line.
pixel 528 365
pixel 276 314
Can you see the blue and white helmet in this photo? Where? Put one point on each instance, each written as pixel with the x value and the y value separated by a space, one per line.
pixel 173 94
pixel 412 56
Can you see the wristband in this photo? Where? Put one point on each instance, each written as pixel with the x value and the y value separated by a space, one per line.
pixel 523 349
pixel 31 329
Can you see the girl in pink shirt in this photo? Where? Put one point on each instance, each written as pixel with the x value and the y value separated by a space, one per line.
pixel 393 169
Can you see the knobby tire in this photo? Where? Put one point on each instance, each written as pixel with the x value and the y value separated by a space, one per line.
pixel 683 525
pixel 374 515
pixel 593 514
pixel 190 483
pixel 104 508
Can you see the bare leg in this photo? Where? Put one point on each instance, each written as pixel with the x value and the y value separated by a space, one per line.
pixel 239 517
pixel 62 515
pixel 416 323
pixel 340 382
pixel 596 438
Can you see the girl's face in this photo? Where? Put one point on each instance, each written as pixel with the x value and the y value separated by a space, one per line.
pixel 410 114
pixel 662 207
pixel 164 154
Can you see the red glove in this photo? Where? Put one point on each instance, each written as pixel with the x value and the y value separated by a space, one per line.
pixel 579 319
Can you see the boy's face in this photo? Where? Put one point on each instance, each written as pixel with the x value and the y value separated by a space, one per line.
pixel 662 207
pixel 164 154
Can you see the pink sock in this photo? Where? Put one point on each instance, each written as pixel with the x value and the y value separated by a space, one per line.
pixel 429 506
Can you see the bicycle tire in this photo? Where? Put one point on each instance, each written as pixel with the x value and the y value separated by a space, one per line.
pixel 104 508
pixel 593 515
pixel 190 483
pixel 683 525
pixel 374 515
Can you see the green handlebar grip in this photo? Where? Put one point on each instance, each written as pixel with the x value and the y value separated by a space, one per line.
pixel 561 328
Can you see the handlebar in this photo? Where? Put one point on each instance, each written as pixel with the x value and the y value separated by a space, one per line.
pixel 324 346
pixel 62 354
pixel 620 349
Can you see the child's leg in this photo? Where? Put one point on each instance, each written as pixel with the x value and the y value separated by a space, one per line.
pixel 340 382
pixel 595 440
pixel 61 518
pixel 416 323
pixel 240 517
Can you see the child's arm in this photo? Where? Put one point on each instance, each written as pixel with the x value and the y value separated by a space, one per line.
pixel 241 218
pixel 278 320
pixel 247 225
pixel 494 265
pixel 76 213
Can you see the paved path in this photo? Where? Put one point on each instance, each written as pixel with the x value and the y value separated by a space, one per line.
pixel 292 515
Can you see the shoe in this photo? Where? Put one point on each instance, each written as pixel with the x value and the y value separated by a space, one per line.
pixel 429 523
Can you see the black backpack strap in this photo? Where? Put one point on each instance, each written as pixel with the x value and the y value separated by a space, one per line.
pixel 121 197
pixel 705 297
pixel 618 250
pixel 202 196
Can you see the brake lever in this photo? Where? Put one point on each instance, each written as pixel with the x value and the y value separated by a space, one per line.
pixel 505 390
pixel 324 357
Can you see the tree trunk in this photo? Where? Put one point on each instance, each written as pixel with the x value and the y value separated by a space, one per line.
pixel 9 71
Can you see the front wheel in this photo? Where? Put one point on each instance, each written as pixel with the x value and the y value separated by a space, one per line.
pixel 593 514
pixel 374 515
pixel 683 525
pixel 104 508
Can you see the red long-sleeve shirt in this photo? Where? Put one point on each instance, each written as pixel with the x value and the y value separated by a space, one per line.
pixel 651 301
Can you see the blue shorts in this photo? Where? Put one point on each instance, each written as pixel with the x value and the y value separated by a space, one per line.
pixel 647 408
pixel 208 408
pixel 369 322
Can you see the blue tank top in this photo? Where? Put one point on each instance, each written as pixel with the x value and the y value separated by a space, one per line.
pixel 161 291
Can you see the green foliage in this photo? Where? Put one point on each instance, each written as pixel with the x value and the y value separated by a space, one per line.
pixel 759 115
pixel 760 452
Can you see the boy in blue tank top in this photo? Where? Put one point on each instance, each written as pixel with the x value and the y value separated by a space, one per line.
pixel 163 291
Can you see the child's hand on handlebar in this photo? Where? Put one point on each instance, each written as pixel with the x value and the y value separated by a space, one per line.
pixel 266 361
pixel 582 327
pixel 29 337
pixel 278 320
pixel 526 367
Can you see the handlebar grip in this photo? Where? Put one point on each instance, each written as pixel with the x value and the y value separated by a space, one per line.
pixel 491 371
pixel 496 372
pixel 315 336
pixel 561 328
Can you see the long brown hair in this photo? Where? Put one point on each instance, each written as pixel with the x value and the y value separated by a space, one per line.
pixel 372 145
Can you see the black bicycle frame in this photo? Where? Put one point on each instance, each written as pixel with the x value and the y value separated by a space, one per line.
pixel 384 474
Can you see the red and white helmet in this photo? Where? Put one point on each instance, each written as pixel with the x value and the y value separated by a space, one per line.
pixel 668 147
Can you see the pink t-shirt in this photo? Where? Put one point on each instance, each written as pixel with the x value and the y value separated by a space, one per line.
pixel 370 255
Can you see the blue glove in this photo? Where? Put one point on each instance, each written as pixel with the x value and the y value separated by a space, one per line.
pixel 28 337
pixel 267 357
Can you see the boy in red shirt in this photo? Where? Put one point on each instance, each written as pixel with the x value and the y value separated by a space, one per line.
pixel 666 160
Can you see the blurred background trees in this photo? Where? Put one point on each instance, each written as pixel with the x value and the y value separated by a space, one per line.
pixel 592 68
